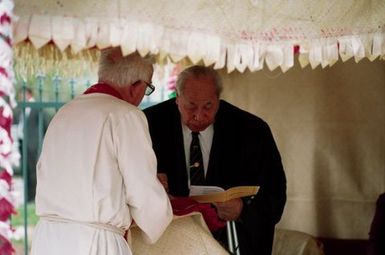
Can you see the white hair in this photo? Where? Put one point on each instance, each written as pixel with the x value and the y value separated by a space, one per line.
pixel 120 71
pixel 196 72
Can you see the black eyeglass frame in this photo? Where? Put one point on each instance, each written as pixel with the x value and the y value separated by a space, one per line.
pixel 149 89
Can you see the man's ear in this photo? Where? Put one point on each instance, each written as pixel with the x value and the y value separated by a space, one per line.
pixel 135 93
pixel 133 89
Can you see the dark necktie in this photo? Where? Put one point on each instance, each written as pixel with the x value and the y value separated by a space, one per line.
pixel 197 175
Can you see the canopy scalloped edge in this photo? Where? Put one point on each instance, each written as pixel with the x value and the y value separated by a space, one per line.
pixel 78 34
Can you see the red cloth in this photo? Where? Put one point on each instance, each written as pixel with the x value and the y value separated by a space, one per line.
pixel 5 122
pixel 6 246
pixel 4 175
pixel 6 209
pixel 186 205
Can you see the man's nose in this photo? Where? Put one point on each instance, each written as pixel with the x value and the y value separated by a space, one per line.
pixel 198 116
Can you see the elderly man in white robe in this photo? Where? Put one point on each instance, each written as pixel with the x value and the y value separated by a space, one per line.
pixel 97 171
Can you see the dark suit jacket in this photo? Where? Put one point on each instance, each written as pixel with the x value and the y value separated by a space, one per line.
pixel 377 229
pixel 243 153
pixel 32 137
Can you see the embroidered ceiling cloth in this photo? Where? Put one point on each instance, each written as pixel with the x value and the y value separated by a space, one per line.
pixel 237 35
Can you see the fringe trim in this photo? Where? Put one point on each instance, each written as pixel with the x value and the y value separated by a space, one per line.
pixel 74 36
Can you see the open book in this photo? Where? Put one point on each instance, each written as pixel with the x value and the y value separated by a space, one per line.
pixel 210 194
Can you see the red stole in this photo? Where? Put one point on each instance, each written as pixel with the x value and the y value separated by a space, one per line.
pixel 103 88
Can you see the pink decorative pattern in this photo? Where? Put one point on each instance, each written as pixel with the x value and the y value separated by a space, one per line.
pixel 7 201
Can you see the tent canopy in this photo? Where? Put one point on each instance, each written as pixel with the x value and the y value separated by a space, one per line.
pixel 237 35
pixel 328 123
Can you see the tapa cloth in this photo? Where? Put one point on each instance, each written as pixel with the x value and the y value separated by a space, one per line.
pixel 187 234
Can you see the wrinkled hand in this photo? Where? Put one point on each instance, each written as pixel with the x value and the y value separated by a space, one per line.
pixel 163 180
pixel 229 210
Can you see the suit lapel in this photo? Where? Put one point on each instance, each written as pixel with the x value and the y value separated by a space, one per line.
pixel 215 152
pixel 181 180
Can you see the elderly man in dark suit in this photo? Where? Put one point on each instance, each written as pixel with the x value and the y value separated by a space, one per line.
pixel 238 148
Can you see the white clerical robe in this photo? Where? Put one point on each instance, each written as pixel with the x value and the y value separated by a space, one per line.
pixel 97 166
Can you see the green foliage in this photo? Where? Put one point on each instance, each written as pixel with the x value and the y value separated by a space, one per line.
pixel 18 219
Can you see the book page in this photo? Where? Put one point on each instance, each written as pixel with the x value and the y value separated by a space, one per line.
pixel 203 190
pixel 221 196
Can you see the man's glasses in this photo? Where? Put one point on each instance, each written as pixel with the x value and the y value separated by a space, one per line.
pixel 149 89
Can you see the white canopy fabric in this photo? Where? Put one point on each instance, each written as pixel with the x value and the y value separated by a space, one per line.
pixel 329 123
pixel 238 35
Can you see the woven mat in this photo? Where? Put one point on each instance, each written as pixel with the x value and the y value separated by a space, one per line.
pixel 186 234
